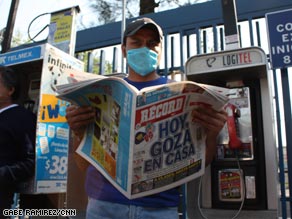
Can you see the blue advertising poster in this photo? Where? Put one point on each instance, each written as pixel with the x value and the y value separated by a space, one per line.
pixel 52 140
pixel 279 26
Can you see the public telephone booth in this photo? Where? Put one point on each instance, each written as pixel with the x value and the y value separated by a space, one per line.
pixel 42 67
pixel 244 171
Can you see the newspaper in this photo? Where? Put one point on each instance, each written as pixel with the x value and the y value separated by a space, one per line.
pixel 144 141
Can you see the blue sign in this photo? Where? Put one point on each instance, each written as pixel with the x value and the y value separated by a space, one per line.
pixel 21 56
pixel 279 26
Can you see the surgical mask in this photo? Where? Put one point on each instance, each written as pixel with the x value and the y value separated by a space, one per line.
pixel 142 60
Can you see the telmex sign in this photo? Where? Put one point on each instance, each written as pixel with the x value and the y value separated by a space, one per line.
pixel 227 60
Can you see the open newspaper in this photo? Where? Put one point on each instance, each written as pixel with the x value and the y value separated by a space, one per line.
pixel 144 141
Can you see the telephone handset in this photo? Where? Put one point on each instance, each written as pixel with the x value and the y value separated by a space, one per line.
pixel 232 119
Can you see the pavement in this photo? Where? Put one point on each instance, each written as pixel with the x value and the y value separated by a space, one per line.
pixel 231 214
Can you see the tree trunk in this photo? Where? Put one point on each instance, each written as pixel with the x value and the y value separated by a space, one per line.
pixel 147 6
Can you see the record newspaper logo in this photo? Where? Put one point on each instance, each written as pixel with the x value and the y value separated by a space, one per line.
pixel 160 111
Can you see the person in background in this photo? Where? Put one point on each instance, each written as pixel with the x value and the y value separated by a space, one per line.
pixel 142 47
pixel 17 138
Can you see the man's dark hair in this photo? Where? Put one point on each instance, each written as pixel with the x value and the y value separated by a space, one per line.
pixel 10 79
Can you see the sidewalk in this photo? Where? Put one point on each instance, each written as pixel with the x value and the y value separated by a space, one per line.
pixel 244 214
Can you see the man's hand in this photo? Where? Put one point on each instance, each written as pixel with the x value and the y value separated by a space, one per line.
pixel 79 117
pixel 213 121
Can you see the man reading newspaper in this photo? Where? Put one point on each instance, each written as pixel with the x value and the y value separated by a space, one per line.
pixel 142 47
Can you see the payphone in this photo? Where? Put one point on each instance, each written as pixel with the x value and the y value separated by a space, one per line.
pixel 244 170
pixel 42 67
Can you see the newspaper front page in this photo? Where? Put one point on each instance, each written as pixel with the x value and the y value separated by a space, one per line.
pixel 144 141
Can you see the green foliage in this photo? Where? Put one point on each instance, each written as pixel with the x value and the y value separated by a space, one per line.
pixel 18 39
pixel 83 56
pixel 107 11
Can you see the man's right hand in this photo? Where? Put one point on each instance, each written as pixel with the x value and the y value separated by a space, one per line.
pixel 79 117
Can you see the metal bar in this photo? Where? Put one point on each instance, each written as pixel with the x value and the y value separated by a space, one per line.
pixel 221 39
pixel 230 23
pixel 204 41
pixel 123 24
pixel 198 38
pixel 165 54
pixel 115 60
pixel 89 62
pixel 251 31
pixel 239 33
pixel 172 52
pixel 215 38
pixel 102 62
pixel 280 149
pixel 258 33
pixel 182 61
pixel 188 46
pixel 288 125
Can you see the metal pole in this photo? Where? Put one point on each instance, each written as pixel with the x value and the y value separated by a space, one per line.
pixel 123 23
pixel 230 24
pixel 10 26
pixel 90 62
pixel 288 127
pixel 283 198
pixel 102 62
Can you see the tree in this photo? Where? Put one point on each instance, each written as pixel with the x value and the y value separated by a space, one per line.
pixel 147 6
pixel 18 39
pixel 108 11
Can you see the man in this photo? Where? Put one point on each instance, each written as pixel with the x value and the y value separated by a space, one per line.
pixel 17 138
pixel 141 46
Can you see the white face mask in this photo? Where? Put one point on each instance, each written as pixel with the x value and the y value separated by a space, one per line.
pixel 142 60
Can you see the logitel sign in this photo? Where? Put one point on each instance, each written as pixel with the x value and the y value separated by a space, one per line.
pixel 226 60
pixel 237 59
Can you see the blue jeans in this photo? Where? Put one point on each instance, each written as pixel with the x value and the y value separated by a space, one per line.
pixel 97 209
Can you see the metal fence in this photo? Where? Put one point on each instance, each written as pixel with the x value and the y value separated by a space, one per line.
pixel 195 30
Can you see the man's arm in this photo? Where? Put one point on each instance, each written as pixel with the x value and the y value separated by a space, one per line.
pixel 78 119
pixel 80 161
